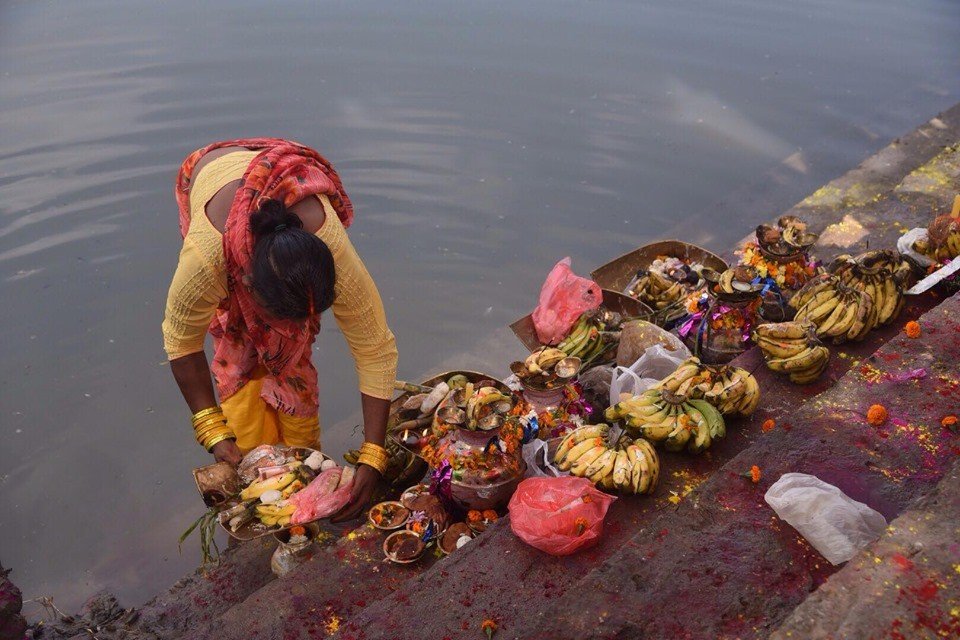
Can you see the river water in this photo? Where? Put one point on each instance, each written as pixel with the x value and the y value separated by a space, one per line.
pixel 480 142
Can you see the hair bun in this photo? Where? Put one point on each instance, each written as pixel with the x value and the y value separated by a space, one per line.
pixel 273 217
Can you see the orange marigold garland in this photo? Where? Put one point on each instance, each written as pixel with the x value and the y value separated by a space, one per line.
pixel 877 415
pixel 754 474
pixel 768 425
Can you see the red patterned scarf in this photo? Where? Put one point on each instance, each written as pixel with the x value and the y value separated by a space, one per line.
pixel 244 336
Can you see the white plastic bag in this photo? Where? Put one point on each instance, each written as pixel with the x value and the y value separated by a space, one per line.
pixel 654 365
pixel 833 523
pixel 637 336
pixel 539 464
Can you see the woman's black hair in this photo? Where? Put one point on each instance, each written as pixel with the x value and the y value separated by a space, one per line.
pixel 293 272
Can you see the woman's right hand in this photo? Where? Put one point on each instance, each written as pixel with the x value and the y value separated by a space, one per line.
pixel 227 451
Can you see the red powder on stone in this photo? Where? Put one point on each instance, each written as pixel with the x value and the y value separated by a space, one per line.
pixel 901 561
pixel 926 591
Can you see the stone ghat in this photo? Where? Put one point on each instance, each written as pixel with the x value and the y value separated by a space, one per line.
pixel 704 557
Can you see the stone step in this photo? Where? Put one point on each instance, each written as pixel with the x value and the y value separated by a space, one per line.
pixel 503 579
pixel 338 582
pixel 905 585
pixel 723 565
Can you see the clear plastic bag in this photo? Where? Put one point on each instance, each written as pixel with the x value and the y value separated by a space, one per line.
pixel 833 523
pixel 654 365
pixel 559 516
pixel 595 382
pixel 266 455
pixel 564 297
pixel 638 336
pixel 536 454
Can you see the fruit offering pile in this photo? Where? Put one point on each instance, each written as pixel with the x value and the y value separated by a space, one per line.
pixel 732 390
pixel 942 243
pixel 629 466
pixel 676 421
pixel 546 368
pixel 590 339
pixel 666 284
pixel 287 486
pixel 858 295
pixel 794 349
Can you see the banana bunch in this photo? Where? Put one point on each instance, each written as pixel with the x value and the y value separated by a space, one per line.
pixel 836 310
pixel 792 348
pixel 543 360
pixel 631 466
pixel 883 275
pixel 274 514
pixel 657 290
pixel 676 421
pixel 587 339
pixel 731 390
pixel 942 243
pixel 277 483
pixel 480 399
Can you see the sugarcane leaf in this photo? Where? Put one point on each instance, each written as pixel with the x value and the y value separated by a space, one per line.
pixel 186 534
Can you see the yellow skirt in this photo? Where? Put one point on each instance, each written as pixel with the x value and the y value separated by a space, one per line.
pixel 255 422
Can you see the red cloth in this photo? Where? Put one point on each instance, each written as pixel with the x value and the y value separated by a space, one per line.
pixel 243 335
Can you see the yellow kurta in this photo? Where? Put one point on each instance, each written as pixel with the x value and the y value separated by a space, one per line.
pixel 200 284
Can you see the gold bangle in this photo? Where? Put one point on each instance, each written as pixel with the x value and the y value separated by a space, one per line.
pixel 379 464
pixel 370 447
pixel 379 453
pixel 203 435
pixel 207 422
pixel 227 435
pixel 206 412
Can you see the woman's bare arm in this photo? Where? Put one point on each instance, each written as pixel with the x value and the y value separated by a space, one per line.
pixel 192 373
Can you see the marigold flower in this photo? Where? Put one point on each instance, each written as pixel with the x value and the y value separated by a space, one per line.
pixel 755 474
pixel 768 425
pixel 581 524
pixel 489 627
pixel 912 329
pixel 474 516
pixel 949 422
pixel 877 415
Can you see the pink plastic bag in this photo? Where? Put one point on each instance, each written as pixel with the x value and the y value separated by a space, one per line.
pixel 564 297
pixel 558 515
pixel 327 494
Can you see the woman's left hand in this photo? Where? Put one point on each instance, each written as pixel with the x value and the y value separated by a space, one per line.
pixel 364 483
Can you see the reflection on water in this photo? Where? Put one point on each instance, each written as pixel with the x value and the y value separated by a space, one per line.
pixel 480 141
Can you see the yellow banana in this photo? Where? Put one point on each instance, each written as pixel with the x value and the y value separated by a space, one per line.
pixel 621 470
pixel 802 361
pixel 783 331
pixel 825 326
pixel 574 454
pixel 772 348
pixel 601 466
pixel 652 460
pixel 844 322
pixel 256 489
pixel 576 437
pixel 581 464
